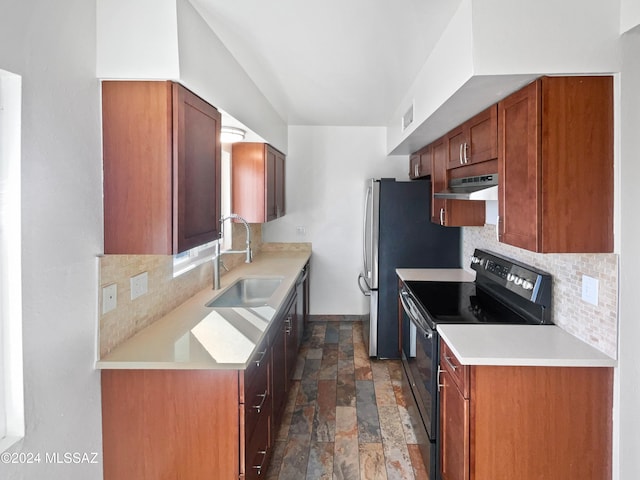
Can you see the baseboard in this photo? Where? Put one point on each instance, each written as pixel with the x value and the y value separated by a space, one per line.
pixel 336 318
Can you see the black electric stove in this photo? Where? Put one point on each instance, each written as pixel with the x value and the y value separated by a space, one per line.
pixel 504 292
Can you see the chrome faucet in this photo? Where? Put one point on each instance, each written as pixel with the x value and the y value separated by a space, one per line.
pixel 218 254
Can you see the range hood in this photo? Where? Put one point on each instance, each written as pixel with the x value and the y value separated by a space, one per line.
pixel 482 187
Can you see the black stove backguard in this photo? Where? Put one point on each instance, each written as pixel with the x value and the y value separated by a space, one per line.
pixel 523 288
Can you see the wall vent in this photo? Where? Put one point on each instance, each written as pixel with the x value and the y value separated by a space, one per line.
pixel 407 118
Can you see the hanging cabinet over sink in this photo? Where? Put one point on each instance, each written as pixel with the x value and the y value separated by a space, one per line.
pixel 258 179
pixel 161 150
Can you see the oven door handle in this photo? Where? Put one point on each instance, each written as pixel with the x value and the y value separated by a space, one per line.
pixel 412 312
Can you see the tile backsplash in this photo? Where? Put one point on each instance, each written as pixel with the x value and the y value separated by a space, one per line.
pixel 164 292
pixel 595 325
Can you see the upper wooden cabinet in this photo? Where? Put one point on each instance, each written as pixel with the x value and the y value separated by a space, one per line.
pixel 475 141
pixel 420 163
pixel 161 148
pixel 450 213
pixel 556 165
pixel 258 181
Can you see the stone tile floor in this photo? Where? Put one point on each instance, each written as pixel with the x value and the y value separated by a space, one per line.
pixel 346 416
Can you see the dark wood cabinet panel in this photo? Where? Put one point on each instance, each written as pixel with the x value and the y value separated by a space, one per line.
pixel 556 166
pixel 420 163
pixel 454 446
pixel 161 157
pixel 525 422
pixel 475 141
pixel 258 181
pixel 450 213
pixel 196 168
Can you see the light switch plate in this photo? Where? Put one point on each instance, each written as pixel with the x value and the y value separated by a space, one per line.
pixel 109 298
pixel 590 289
pixel 139 285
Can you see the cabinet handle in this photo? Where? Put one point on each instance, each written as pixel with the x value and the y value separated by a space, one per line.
pixel 448 360
pixel 442 216
pixel 264 457
pixel 261 406
pixel 498 228
pixel 417 169
pixel 464 153
pixel 460 155
pixel 258 361
pixel 288 328
pixel 440 385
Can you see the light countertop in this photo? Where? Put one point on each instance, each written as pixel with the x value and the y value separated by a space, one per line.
pixel 520 345
pixel 435 275
pixel 194 336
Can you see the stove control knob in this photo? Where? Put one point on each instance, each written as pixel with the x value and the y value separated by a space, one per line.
pixel 475 259
pixel 518 280
pixel 527 285
pixel 510 277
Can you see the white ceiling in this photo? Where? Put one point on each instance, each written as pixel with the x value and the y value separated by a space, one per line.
pixel 335 62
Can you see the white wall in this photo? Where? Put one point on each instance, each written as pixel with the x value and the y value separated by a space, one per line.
pixel 168 39
pixel 207 67
pixel 326 170
pixel 52 46
pixel 629 326
pixel 629 15
pixel 137 39
pixel 493 47
pixel 545 36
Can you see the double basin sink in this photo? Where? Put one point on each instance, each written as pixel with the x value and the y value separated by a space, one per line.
pixel 247 292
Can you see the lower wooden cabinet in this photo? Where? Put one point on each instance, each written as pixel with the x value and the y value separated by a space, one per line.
pixel 525 423
pixel 199 424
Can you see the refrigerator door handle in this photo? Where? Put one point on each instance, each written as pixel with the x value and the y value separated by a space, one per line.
pixel 367 292
pixel 366 235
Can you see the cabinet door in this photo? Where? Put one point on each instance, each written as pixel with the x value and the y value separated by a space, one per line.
pixel 271 204
pixel 475 141
pixel 291 347
pixel 424 168
pixel 482 137
pixel 450 213
pixel 438 179
pixel 414 166
pixel 456 141
pixel 196 170
pixel 280 184
pixel 454 431
pixel 519 168
pixel 278 372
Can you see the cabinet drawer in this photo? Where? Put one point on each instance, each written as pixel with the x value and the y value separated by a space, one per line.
pixel 459 373
pixel 257 405
pixel 258 364
pixel 257 452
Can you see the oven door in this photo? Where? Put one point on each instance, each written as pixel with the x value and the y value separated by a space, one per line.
pixel 420 360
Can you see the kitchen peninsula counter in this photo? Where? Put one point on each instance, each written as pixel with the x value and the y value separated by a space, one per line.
pixel 196 337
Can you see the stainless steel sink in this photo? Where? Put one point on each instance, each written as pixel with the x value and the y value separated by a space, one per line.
pixel 247 292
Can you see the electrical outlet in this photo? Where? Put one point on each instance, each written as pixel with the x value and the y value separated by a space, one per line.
pixel 301 230
pixel 138 285
pixel 590 289
pixel 109 298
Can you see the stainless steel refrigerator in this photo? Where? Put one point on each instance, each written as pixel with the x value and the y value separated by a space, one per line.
pixel 398 233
